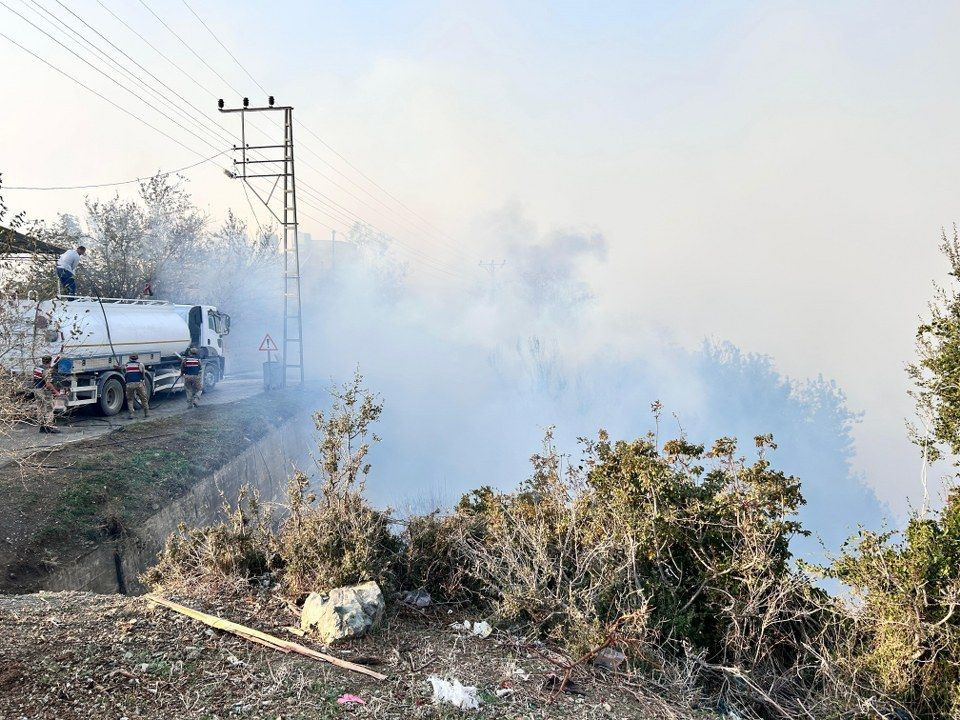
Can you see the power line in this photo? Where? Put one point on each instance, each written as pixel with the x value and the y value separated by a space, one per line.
pixel 105 98
pixel 190 48
pixel 304 187
pixel 219 128
pixel 183 72
pixel 193 12
pixel 115 184
pixel 455 248
pixel 436 268
pixel 113 63
pixel 432 262
pixel 369 179
pixel 252 211
pixel 106 75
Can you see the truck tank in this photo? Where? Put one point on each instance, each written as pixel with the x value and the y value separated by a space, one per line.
pixel 88 328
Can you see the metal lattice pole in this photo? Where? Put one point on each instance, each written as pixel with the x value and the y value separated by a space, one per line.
pixel 292 349
pixel 292 318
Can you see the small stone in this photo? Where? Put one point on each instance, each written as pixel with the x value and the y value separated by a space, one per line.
pixel 417 598
pixel 609 658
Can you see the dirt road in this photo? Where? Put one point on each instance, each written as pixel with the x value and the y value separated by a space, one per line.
pixel 87 424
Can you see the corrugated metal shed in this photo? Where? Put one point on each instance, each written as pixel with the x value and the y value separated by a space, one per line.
pixel 16 243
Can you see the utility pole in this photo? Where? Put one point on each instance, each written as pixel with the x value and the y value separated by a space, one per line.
pixel 292 349
pixel 492 267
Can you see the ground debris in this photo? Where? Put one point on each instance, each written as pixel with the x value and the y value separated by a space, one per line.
pixel 70 655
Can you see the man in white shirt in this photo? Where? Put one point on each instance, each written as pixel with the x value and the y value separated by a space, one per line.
pixel 66 267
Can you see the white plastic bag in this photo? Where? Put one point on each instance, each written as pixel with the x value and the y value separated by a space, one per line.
pixel 453 692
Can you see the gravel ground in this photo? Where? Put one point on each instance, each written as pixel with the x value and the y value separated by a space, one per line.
pixel 79 655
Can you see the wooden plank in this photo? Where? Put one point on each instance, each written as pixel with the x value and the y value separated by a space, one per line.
pixel 261 638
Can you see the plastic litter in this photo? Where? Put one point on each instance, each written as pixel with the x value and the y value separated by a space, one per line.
pixel 417 598
pixel 348 699
pixel 481 629
pixel 453 692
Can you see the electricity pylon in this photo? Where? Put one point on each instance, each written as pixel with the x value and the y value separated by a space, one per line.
pixel 292 317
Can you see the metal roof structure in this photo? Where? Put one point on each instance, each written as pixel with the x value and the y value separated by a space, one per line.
pixel 13 242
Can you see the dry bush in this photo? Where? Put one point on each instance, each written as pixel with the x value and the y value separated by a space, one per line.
pixel 432 556
pixel 335 537
pixel 543 566
pixel 329 538
pixel 229 555
pixel 678 556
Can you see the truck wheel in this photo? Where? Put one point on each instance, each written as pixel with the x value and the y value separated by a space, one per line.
pixel 111 396
pixel 211 376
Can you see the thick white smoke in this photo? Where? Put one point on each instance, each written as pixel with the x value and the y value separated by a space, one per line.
pixel 474 370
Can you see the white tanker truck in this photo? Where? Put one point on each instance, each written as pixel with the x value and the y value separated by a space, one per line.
pixel 90 339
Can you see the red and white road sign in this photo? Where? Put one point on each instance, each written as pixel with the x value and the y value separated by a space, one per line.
pixel 268 345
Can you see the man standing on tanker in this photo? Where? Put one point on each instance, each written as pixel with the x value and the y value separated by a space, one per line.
pixel 43 391
pixel 67 268
pixel 134 373
pixel 192 372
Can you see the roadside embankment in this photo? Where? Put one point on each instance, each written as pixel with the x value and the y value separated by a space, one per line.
pixel 92 515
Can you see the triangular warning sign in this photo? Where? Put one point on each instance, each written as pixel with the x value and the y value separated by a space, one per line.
pixel 268 345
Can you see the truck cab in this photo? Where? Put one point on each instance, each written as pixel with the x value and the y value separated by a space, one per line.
pixel 207 326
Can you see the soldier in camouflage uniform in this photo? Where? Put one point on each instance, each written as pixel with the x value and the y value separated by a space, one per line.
pixel 43 391
pixel 134 374
pixel 192 371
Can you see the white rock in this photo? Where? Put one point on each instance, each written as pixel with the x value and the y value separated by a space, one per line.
pixel 343 612
pixel 481 628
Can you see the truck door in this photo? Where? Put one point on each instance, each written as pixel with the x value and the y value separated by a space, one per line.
pixel 195 322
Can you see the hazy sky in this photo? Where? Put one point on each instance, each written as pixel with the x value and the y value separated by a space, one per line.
pixel 772 174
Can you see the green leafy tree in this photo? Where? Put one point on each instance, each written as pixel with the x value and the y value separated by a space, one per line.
pixel 936 371
pixel 134 243
pixel 904 628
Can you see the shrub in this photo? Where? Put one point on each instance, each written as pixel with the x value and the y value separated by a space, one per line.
pixel 432 556
pixel 905 624
pixel 335 537
pixel 226 555
pixel 675 554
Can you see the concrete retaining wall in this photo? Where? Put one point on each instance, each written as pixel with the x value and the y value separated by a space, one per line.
pixel 265 465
